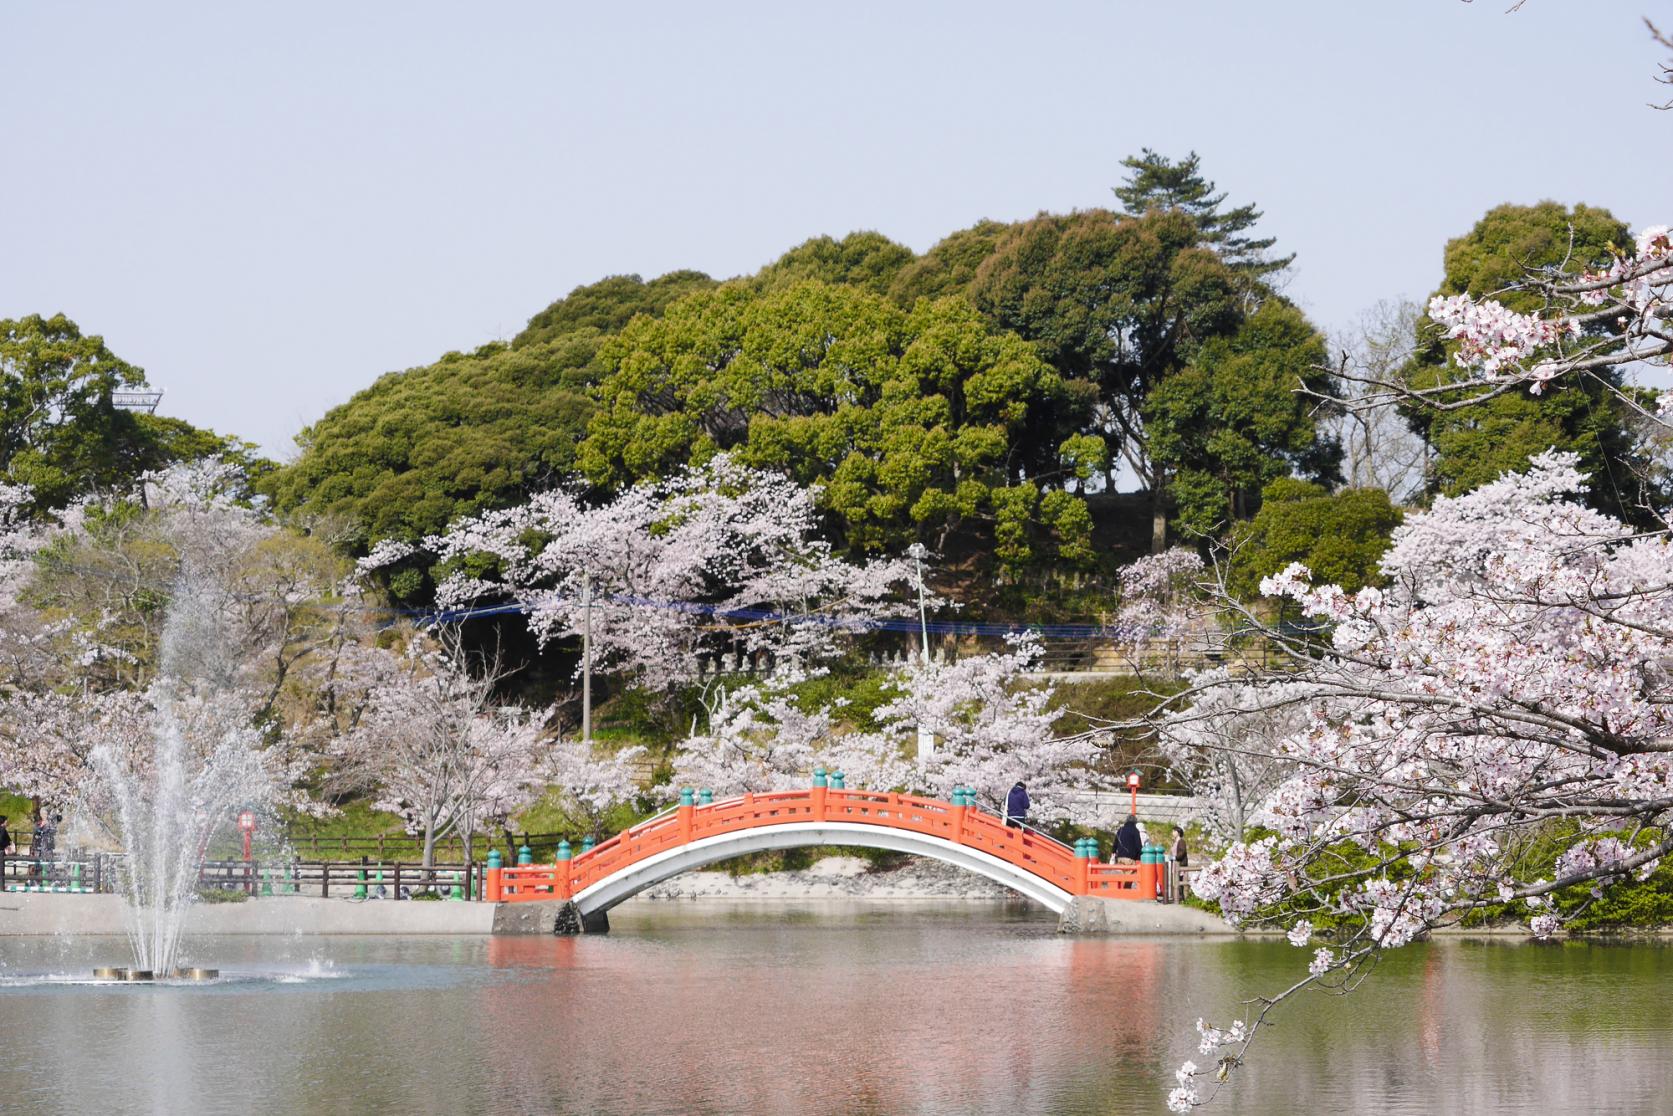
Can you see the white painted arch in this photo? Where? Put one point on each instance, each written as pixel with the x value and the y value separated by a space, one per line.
pixel 606 893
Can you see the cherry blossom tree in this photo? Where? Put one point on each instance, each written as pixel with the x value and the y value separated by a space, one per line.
pixel 993 725
pixel 1615 317
pixel 437 746
pixel 1514 673
pixel 1228 746
pixel 1160 605
pixel 590 783
pixel 713 559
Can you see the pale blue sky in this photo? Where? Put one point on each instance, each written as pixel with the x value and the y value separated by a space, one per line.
pixel 269 206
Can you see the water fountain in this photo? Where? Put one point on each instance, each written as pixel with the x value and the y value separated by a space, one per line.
pixel 165 792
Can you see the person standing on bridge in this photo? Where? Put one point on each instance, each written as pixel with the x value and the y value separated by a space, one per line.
pixel 1128 844
pixel 1016 806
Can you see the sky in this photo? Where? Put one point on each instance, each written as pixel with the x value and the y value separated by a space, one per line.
pixel 269 206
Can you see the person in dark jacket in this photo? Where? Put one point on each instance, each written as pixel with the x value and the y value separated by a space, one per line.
pixel 1128 845
pixel 1016 805
pixel 1181 860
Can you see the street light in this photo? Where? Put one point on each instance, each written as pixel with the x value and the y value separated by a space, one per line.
pixel 247 823
pixel 1133 786
pixel 918 552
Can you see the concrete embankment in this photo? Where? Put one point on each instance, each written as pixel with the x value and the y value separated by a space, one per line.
pixel 1089 915
pixel 34 914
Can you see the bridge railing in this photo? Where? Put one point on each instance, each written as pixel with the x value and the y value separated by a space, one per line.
pixel 1074 870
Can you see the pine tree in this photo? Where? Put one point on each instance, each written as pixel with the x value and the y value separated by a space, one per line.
pixel 1157 182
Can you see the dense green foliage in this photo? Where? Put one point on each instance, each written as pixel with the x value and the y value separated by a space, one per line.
pixel 609 304
pixel 1232 421
pixel 60 433
pixel 1477 444
pixel 987 419
pixel 915 422
pixel 419 448
pixel 1339 536
pixel 867 260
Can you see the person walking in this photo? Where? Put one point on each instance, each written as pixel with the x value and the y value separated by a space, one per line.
pixel 5 849
pixel 1016 806
pixel 1181 860
pixel 1128 844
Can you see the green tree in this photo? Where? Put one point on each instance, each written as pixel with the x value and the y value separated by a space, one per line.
pixel 914 422
pixel 419 448
pixel 1232 420
pixel 1157 182
pixel 1118 303
pixel 868 260
pixel 60 432
pixel 1340 536
pixel 609 304
pixel 1473 445
pixel 949 267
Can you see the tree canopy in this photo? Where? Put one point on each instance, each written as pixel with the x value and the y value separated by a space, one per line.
pixel 1157 182
pixel 1477 444
pixel 609 304
pixel 419 448
pixel 1231 421
pixel 914 422
pixel 60 433
pixel 868 260
pixel 1339 536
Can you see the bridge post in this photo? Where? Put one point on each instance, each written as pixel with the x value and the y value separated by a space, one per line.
pixel 491 878
pixel 819 794
pixel 1147 872
pixel 687 808
pixel 1086 851
pixel 959 803
pixel 560 869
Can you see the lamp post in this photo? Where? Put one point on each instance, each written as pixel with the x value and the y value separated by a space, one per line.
pixel 247 825
pixel 1133 786
pixel 918 552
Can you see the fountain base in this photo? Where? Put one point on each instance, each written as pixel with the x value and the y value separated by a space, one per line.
pixel 116 973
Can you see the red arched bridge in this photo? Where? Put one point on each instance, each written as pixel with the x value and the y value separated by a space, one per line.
pixel 699 832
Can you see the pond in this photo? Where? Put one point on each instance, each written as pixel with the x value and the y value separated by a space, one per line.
pixel 825 1007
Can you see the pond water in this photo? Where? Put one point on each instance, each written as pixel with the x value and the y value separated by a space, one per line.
pixel 825 1007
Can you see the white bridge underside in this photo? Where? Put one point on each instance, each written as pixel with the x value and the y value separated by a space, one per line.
pixel 606 893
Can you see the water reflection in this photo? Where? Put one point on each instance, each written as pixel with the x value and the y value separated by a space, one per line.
pixel 830 1009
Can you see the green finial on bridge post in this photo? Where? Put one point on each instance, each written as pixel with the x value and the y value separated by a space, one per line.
pixel 564 851
pixel 494 859
pixel 686 796
pixel 705 797
pixel 525 855
pixel 587 843
pixel 838 781
pixel 819 777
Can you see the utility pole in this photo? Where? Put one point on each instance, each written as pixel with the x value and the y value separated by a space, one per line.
pixel 586 657
pixel 918 552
